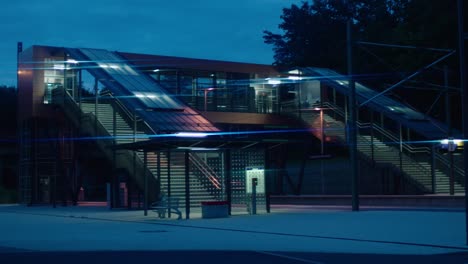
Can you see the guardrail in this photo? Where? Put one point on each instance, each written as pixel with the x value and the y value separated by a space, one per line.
pixel 206 170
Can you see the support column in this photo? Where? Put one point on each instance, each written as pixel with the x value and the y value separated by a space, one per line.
pixel 401 149
pixel 115 176
pixel 145 174
pixel 134 159
pixel 168 173
pixel 449 130
pixel 372 133
pixel 80 87
pixel 433 177
pixel 187 185
pixel 227 178
pixel 352 122
pixel 96 102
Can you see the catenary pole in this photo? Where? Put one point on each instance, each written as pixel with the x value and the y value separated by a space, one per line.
pixel 462 61
pixel 352 128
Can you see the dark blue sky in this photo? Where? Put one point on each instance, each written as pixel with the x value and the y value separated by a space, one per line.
pixel 212 29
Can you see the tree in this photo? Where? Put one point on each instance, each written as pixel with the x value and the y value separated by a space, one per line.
pixel 313 34
pixel 8 100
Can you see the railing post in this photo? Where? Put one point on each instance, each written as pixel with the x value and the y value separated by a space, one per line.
pixel 96 102
pixel 433 176
pixel 372 136
pixel 116 187
pixel 452 175
pixel 168 173
pixel 227 178
pixel 401 151
pixel 145 195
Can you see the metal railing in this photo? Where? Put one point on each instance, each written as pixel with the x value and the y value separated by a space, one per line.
pixel 405 157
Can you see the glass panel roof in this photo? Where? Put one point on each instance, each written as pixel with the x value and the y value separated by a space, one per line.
pixel 139 84
pixel 166 112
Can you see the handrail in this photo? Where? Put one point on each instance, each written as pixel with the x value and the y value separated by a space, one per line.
pixel 206 170
pixel 456 168
pixel 379 129
pixel 127 112
pixel 390 136
pixel 68 101
pixel 408 150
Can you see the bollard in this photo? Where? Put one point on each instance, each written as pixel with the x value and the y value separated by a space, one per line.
pixel 254 195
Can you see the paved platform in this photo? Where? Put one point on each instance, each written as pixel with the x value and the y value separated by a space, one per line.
pixel 288 229
pixel 428 200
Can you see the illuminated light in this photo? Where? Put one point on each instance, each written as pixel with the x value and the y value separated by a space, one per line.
pixel 295 78
pixel 72 61
pixel 444 141
pixel 155 70
pixel 152 96
pixel 191 134
pixel 139 95
pixel 59 67
pixel 294 72
pixel 103 65
pixel 113 66
pixel 273 81
pixel 197 148
pixel 451 144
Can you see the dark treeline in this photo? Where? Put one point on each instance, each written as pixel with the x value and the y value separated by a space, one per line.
pixel 8 144
pixel 8 102
pixel 314 34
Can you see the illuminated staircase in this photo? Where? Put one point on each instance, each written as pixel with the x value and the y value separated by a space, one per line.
pixel 384 153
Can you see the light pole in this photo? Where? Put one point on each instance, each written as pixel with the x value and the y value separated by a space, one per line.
pixel 322 130
pixel 352 123
pixel 322 150
pixel 464 88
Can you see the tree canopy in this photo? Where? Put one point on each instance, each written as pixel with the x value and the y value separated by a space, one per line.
pixel 8 100
pixel 314 34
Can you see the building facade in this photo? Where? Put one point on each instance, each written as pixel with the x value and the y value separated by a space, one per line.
pixel 78 106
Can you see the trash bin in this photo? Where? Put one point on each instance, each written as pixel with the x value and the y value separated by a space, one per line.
pixel 216 209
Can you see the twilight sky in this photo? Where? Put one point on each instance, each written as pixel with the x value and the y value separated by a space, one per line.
pixel 210 29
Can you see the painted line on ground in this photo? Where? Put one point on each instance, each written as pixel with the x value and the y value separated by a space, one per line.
pixel 289 257
pixel 251 231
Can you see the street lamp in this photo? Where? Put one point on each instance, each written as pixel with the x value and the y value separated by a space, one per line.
pixel 451 145
pixel 322 138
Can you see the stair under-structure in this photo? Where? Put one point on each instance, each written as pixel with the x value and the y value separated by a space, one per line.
pixel 127 106
pixel 124 133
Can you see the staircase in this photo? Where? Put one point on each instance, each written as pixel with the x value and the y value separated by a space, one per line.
pixel 198 191
pixel 383 153
pixel 124 133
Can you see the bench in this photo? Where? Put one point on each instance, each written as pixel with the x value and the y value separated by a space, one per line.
pixel 166 204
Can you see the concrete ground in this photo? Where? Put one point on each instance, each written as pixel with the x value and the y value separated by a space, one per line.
pixel 290 234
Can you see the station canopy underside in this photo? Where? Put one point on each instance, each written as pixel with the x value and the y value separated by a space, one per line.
pixel 211 143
